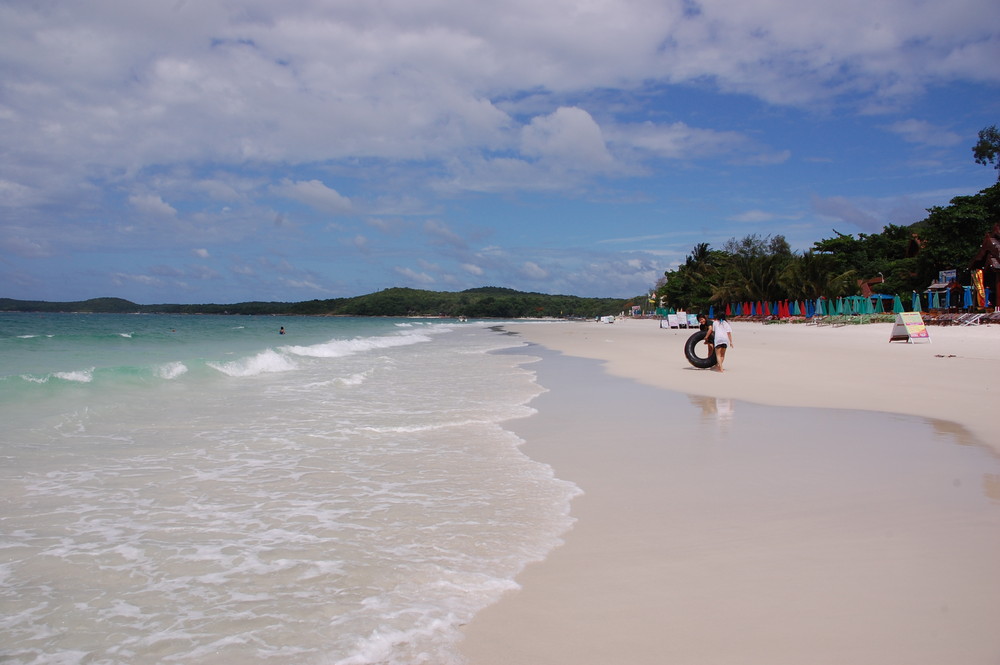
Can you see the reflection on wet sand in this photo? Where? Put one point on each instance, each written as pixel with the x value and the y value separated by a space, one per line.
pixel 720 409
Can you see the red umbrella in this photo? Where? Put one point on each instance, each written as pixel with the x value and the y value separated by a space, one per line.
pixel 729 311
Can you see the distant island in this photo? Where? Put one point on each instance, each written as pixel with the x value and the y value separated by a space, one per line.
pixel 484 302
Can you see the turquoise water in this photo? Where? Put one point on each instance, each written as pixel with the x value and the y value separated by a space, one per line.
pixel 201 489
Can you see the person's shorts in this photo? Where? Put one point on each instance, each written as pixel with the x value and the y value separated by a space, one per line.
pixel 722 346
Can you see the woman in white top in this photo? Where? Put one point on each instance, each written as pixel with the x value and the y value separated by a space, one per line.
pixel 723 338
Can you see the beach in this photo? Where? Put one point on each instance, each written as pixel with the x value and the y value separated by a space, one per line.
pixel 831 498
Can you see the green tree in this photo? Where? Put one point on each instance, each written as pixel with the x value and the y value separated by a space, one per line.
pixel 813 275
pixel 952 234
pixel 987 150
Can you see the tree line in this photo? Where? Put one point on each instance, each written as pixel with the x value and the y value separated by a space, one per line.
pixel 899 260
pixel 484 302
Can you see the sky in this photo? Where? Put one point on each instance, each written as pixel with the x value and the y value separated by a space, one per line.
pixel 225 151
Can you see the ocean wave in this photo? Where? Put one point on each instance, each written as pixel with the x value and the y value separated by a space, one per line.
pixel 78 376
pixel 265 362
pixel 171 370
pixel 338 348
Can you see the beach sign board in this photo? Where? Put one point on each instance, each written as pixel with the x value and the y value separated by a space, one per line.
pixel 909 328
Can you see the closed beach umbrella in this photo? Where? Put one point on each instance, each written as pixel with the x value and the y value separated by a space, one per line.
pixel 879 307
pixel 916 302
pixel 897 305
pixel 966 297
pixel 821 306
pixel 729 312
pixel 947 299
pixel 711 311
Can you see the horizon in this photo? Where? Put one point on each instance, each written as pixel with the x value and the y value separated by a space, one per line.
pixel 235 152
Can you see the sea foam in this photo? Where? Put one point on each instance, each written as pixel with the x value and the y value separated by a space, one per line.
pixel 262 363
pixel 345 347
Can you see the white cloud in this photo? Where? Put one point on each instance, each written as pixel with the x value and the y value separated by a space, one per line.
pixel 315 194
pixel 151 204
pixel 759 216
pixel 841 208
pixel 678 140
pixel 439 233
pixel 532 270
pixel 201 253
pixel 413 276
pixel 568 136
pixel 472 269
pixel 920 131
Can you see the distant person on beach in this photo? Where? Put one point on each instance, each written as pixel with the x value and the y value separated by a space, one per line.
pixel 723 338
pixel 705 324
pixel 282 331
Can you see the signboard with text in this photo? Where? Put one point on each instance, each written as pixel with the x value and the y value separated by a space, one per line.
pixel 909 328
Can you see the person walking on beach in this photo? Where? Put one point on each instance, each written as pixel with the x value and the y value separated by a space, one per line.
pixel 723 338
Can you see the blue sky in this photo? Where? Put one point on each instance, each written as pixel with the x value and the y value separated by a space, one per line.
pixel 224 151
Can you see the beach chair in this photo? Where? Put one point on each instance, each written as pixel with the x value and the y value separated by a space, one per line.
pixel 971 319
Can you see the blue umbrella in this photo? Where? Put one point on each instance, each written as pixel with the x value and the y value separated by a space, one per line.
pixel 966 297
pixel 947 299
pixel 711 311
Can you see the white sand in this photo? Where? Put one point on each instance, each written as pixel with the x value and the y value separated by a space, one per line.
pixel 736 533
pixel 955 378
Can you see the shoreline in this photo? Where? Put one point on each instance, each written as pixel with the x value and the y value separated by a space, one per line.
pixel 828 526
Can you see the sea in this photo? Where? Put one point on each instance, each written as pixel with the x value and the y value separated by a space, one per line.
pixel 203 489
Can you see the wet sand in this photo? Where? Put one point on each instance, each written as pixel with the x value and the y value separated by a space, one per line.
pixel 742 524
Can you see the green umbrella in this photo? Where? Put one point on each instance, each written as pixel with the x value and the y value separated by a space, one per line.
pixel 879 307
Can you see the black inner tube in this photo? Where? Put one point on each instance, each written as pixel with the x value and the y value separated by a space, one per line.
pixel 691 352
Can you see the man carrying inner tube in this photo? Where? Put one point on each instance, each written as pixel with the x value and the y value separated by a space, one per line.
pixel 705 323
